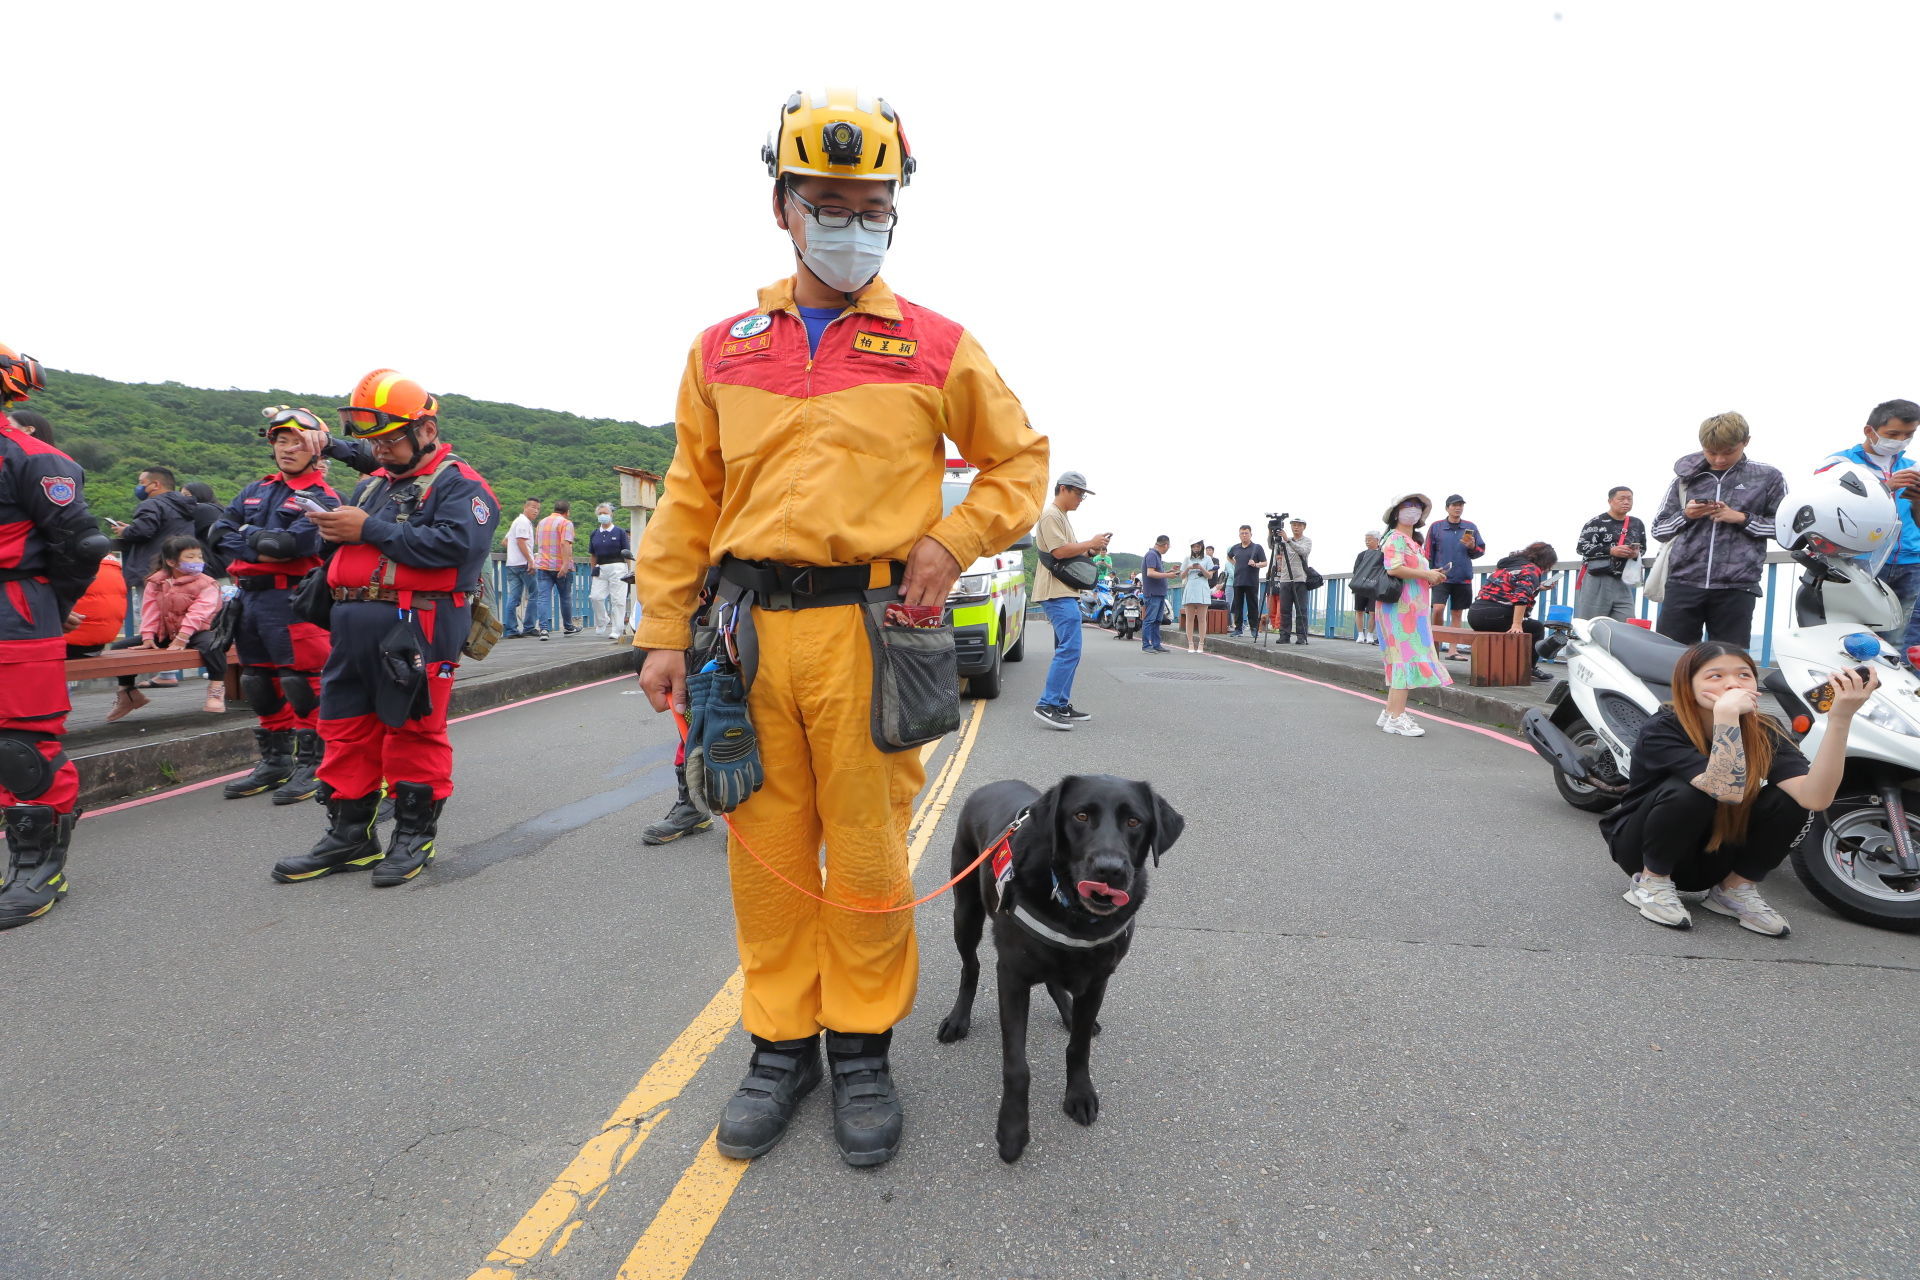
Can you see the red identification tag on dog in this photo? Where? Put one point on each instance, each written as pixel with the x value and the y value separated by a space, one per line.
pixel 1000 859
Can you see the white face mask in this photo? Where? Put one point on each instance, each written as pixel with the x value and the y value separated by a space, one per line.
pixel 845 258
pixel 1881 447
pixel 605 518
pixel 1408 515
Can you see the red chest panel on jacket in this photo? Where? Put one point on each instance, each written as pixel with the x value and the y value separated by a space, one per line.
pixel 855 350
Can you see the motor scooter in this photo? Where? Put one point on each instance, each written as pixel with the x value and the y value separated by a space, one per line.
pixel 1128 611
pixel 1861 857
pixel 1096 603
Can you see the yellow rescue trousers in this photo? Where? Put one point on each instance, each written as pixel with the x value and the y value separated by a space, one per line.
pixel 809 965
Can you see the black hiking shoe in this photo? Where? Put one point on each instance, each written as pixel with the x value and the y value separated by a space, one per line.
pixel 348 845
pixel 681 820
pixel 780 1074
pixel 274 767
pixel 36 862
pixel 416 817
pixel 306 759
pixel 866 1110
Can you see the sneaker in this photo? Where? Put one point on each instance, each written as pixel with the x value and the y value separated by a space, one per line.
pixel 543 635
pixel 1660 902
pixel 572 631
pixel 1076 715
pixel 1747 906
pixel 1053 718
pixel 1404 725
pixel 1381 723
pixel 780 1073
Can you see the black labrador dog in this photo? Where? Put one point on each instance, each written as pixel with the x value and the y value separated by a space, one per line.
pixel 1062 909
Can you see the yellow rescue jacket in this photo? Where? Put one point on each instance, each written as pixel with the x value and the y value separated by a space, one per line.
pixel 833 459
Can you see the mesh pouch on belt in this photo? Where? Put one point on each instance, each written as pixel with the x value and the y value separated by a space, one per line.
pixel 916 682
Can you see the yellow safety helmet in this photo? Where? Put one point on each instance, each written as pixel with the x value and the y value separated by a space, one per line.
pixel 839 133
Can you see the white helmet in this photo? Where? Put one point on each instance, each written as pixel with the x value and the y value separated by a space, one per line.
pixel 1843 509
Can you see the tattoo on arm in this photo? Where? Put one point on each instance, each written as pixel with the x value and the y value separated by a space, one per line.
pixel 1726 776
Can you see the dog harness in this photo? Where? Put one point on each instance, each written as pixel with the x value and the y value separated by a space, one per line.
pixel 1000 895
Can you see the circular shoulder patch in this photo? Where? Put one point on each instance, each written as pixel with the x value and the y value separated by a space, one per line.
pixel 480 512
pixel 750 326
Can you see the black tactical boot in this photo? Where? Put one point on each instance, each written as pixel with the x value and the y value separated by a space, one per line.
pixel 348 845
pixel 36 862
pixel 866 1111
pixel 781 1073
pixel 274 767
pixel 416 815
pixel 680 820
pixel 306 758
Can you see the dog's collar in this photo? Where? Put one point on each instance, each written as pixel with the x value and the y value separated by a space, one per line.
pixel 1050 934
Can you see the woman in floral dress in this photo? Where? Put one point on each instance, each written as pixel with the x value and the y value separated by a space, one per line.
pixel 1406 636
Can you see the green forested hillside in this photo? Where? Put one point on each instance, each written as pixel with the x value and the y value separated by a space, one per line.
pixel 116 429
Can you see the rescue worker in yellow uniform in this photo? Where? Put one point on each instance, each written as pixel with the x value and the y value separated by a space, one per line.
pixel 807 468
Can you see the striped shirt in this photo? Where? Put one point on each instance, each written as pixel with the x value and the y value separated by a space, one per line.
pixel 553 543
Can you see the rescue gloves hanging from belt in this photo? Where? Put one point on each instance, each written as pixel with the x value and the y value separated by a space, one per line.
pixel 723 753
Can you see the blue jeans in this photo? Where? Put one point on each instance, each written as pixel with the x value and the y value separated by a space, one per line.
pixel 1905 581
pixel 554 582
pixel 1150 621
pixel 518 594
pixel 1064 613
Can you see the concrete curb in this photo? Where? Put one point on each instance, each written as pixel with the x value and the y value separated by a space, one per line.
pixel 1483 705
pixel 120 773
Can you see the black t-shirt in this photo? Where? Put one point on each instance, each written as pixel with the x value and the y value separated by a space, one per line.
pixel 1664 751
pixel 1246 563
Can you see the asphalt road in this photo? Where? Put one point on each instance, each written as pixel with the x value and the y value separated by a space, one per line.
pixel 1386 1015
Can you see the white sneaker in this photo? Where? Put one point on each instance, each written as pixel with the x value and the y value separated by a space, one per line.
pixel 1404 725
pixel 1381 723
pixel 1659 902
pixel 1747 906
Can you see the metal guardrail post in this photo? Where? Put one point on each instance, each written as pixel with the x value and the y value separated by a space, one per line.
pixel 1766 604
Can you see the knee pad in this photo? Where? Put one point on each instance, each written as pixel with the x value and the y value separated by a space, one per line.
pixel 23 770
pixel 299 693
pixel 261 690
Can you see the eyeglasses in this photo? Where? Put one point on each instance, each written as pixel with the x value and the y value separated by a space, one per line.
pixel 834 218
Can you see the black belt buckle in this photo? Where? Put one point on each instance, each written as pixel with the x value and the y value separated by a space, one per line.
pixel 801 583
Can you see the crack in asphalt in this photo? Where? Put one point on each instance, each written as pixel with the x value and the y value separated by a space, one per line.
pixel 1544 951
pixel 374 1175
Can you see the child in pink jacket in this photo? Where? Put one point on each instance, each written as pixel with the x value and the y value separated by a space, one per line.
pixel 176 609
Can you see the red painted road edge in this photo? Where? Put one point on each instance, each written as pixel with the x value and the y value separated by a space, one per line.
pixel 1355 693
pixel 241 773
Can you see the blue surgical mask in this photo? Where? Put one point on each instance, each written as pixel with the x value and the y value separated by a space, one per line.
pixel 605 518
pixel 139 493
pixel 192 566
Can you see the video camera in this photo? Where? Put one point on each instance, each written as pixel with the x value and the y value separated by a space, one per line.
pixel 1276 527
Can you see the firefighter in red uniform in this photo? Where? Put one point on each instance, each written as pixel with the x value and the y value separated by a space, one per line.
pixel 50 548
pixel 269 545
pixel 412 544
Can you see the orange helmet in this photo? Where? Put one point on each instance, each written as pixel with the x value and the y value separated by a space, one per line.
pixel 18 375
pixel 386 401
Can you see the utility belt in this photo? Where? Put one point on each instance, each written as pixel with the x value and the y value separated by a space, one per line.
pixel 394 595
pixel 786 586
pixel 263 581
pixel 916 678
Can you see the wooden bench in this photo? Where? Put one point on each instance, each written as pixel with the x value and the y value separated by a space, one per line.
pixel 140 662
pixel 1499 657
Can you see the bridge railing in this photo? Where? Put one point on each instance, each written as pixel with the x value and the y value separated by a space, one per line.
pixel 1331 613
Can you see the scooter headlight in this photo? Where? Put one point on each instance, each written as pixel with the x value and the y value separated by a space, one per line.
pixel 1890 718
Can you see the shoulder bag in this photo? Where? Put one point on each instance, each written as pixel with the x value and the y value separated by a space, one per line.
pixel 1374 580
pixel 1078 572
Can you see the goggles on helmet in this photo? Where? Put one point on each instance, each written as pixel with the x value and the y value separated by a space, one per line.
pixel 18 375
pixel 364 424
pixel 281 415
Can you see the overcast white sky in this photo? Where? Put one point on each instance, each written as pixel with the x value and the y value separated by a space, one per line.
pixel 1305 258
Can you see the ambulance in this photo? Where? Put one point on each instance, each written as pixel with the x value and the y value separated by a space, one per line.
pixel 988 605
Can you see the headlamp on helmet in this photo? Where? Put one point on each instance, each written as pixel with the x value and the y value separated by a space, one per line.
pixel 18 375
pixel 839 133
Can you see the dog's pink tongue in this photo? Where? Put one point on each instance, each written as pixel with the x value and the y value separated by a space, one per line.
pixel 1118 897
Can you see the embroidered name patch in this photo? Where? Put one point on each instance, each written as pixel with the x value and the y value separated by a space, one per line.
pixel 60 490
pixel 745 345
pixel 884 344
pixel 748 327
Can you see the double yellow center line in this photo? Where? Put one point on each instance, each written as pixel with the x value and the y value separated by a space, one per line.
pixel 673 1240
